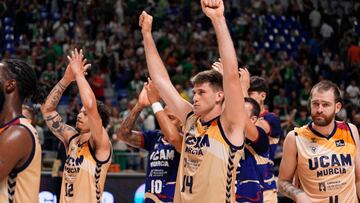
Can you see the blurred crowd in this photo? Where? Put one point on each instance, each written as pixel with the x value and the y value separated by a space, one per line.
pixel 291 43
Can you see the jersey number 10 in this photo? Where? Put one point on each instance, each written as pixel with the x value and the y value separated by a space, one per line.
pixel 156 186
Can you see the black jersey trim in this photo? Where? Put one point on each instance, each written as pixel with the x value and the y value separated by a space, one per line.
pixel 92 152
pixel 32 154
pixel 226 139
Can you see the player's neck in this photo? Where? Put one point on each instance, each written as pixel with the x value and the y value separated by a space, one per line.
pixel 84 137
pixel 324 130
pixel 216 111
pixel 10 111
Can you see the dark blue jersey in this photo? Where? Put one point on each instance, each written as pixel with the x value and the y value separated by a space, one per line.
pixel 267 171
pixel 249 177
pixel 275 131
pixel 163 162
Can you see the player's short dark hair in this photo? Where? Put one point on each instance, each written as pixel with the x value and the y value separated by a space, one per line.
pixel 213 77
pixel 255 106
pixel 258 84
pixel 327 85
pixel 104 112
pixel 25 77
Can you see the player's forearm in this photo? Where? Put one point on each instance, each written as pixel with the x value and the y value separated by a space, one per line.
pixel 226 46
pixel 54 97
pixel 169 130
pixel 124 132
pixel 251 132
pixel 87 96
pixel 157 69
pixel 289 190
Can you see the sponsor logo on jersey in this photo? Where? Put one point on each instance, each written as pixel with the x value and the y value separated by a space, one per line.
pixel 329 165
pixel 195 145
pixel 161 157
pixel 340 143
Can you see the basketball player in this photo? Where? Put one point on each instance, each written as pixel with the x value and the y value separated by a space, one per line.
pixel 259 90
pixel 249 179
pixel 88 146
pixel 325 153
pixel 163 146
pixel 20 150
pixel 214 139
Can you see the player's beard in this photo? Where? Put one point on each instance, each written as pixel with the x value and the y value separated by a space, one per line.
pixel 325 121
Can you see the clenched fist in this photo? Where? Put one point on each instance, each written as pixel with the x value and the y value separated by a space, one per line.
pixel 145 22
pixel 213 8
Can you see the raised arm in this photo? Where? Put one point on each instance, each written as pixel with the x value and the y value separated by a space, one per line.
pixel 233 115
pixel 158 72
pixel 287 170
pixel 250 128
pixel 52 118
pixel 125 132
pixel 166 120
pixel 98 132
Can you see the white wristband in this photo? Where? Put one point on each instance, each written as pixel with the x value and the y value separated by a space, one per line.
pixel 156 106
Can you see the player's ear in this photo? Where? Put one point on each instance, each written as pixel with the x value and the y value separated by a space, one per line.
pixel 10 85
pixel 338 107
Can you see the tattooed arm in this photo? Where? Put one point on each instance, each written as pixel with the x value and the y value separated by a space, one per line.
pixel 53 120
pixel 125 132
pixel 287 170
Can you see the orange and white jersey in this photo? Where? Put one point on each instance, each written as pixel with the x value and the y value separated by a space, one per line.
pixel 84 175
pixel 23 184
pixel 208 163
pixel 326 167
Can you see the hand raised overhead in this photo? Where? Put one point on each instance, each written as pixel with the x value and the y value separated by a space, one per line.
pixel 143 100
pixel 152 93
pixel 145 22
pixel 77 63
pixel 213 8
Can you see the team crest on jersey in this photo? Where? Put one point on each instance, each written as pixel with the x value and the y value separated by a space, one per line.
pixel 313 145
pixel 340 143
pixel 313 149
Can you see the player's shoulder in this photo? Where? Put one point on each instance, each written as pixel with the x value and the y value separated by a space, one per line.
pixel 270 116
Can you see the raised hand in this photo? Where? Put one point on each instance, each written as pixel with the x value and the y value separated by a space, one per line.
pixel 77 63
pixel 145 22
pixel 143 100
pixel 152 92
pixel 213 8
pixel 244 79
pixel 69 75
pixel 218 67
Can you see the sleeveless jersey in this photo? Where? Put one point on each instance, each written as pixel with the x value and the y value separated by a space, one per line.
pixel 326 169
pixel 162 167
pixel 23 184
pixel 84 175
pixel 249 180
pixel 267 170
pixel 208 163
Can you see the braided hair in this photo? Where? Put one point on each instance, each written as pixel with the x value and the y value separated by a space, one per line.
pixel 25 78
